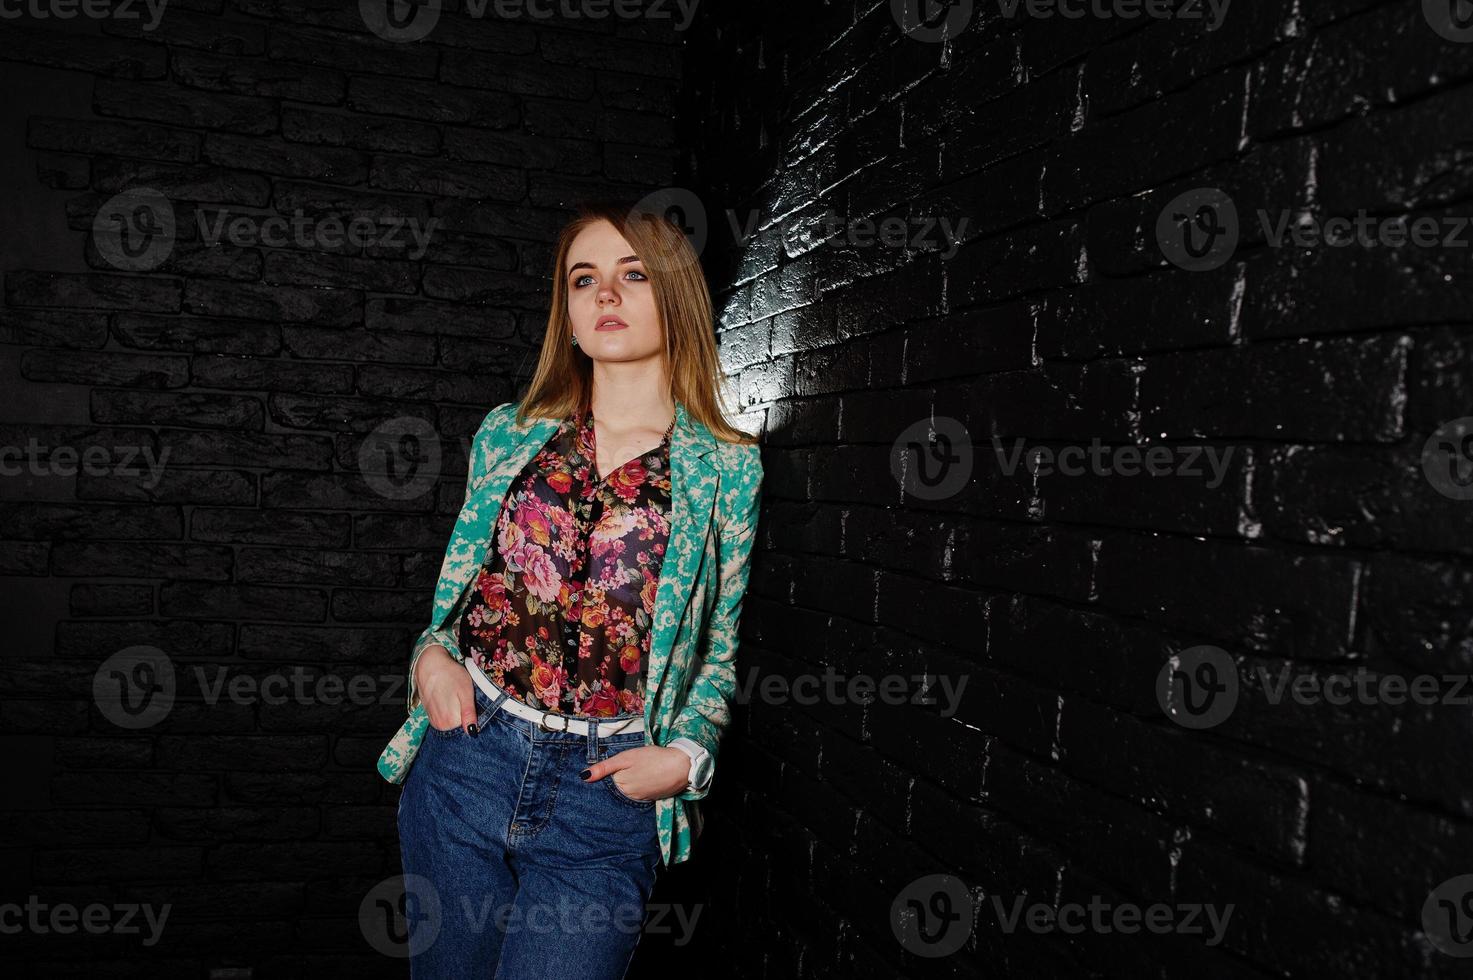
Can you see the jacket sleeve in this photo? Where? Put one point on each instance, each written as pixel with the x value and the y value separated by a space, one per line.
pixel 478 463
pixel 707 709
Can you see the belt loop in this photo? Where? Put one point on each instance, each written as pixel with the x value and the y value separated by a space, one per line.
pixel 593 742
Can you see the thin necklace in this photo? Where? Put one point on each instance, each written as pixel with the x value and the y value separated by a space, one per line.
pixel 593 437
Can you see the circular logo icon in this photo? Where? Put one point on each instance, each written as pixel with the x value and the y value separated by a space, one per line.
pixel 400 460
pixel 1447 459
pixel 932 460
pixel 400 21
pixel 683 209
pixel 134 688
pixel 401 916
pixel 931 20
pixel 1451 19
pixel 135 230
pixel 1198 688
pixel 1199 231
pixel 932 916
pixel 1447 916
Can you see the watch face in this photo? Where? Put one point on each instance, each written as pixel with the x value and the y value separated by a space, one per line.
pixel 702 774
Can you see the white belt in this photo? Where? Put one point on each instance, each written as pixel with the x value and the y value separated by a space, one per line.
pixel 559 721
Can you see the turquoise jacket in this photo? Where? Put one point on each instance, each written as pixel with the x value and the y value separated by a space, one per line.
pixel 691 675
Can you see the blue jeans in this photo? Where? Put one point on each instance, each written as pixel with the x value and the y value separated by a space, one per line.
pixel 514 867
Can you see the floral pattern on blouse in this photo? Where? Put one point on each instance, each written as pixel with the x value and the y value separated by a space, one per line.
pixel 560 617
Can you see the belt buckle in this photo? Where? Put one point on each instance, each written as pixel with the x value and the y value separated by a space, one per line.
pixel 542 722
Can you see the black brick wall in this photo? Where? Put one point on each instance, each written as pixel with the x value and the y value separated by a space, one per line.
pixel 1052 148
pixel 1059 320
pixel 264 550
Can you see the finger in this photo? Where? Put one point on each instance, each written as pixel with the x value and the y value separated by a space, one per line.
pixel 468 712
pixel 613 763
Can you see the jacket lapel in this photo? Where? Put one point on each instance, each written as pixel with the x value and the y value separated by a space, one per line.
pixel 693 488
pixel 693 485
pixel 472 534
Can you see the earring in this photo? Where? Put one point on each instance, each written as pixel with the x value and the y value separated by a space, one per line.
pixel 575 340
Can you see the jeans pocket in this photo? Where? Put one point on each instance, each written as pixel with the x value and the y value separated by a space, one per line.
pixel 624 798
pixel 484 713
pixel 448 733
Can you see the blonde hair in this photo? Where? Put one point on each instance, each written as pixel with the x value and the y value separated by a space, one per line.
pixel 563 380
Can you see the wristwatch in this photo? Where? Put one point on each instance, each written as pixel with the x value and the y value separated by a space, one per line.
pixel 702 768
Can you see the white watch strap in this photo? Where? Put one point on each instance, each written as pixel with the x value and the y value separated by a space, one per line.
pixel 695 750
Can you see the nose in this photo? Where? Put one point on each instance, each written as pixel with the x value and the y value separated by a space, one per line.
pixel 608 293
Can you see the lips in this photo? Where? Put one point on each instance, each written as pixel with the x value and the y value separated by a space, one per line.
pixel 610 323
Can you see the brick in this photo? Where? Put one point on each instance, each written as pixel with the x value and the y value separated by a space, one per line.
pixel 1249 597
pixel 359 132
pixel 114 139
pixel 203 110
pixel 1326 390
pixel 119 58
pixel 253 76
pixel 105 292
pixel 354 54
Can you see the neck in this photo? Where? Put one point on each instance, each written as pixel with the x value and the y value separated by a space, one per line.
pixel 632 395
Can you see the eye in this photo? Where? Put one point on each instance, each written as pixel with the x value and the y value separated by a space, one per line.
pixel 640 275
pixel 579 282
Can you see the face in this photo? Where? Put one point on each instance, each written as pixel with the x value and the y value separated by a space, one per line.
pixel 611 302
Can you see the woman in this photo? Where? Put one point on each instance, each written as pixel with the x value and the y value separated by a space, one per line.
pixel 578 671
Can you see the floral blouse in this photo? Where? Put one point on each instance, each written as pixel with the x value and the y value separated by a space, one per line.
pixel 561 612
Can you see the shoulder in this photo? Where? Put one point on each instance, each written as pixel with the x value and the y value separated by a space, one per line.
pixel 741 478
pixel 499 420
pixel 737 461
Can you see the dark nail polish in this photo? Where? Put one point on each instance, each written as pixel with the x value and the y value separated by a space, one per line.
pixel 473 729
pixel 584 774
